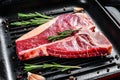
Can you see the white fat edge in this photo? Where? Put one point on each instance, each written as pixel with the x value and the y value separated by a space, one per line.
pixel 27 35
pixel 44 51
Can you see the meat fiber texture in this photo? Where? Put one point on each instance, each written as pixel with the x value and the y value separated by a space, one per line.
pixel 84 44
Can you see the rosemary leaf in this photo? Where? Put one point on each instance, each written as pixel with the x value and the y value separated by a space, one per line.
pixel 35 21
pixel 61 35
pixel 66 32
pixel 32 15
pixel 22 23
pixel 53 38
pixel 43 16
pixel 29 67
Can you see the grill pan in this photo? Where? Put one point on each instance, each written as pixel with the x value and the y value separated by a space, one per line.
pixel 112 8
pixel 92 68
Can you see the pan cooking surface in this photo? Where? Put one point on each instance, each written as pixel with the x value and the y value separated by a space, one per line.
pixel 92 68
pixel 112 7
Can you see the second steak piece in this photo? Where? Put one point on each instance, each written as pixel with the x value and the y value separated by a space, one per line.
pixel 39 35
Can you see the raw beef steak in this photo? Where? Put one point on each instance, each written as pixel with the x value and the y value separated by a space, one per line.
pixel 86 43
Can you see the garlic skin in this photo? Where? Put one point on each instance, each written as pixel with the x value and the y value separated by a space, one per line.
pixel 32 76
pixel 78 9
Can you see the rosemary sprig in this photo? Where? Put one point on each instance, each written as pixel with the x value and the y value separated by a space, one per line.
pixel 61 35
pixel 35 21
pixel 29 67
pixel 32 15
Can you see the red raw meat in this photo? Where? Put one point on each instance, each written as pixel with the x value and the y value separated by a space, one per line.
pixel 84 44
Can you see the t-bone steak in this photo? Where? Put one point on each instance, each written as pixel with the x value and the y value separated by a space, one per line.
pixel 85 43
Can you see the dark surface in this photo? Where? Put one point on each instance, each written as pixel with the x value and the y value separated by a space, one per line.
pixel 112 7
pixel 92 68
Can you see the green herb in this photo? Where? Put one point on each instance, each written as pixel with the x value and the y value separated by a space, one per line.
pixel 61 35
pixel 32 15
pixel 35 21
pixel 29 67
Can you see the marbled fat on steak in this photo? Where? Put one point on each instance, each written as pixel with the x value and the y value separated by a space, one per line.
pixel 85 43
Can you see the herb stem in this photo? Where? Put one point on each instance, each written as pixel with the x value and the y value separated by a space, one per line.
pixel 29 67
pixel 61 35
pixel 33 15
pixel 35 21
